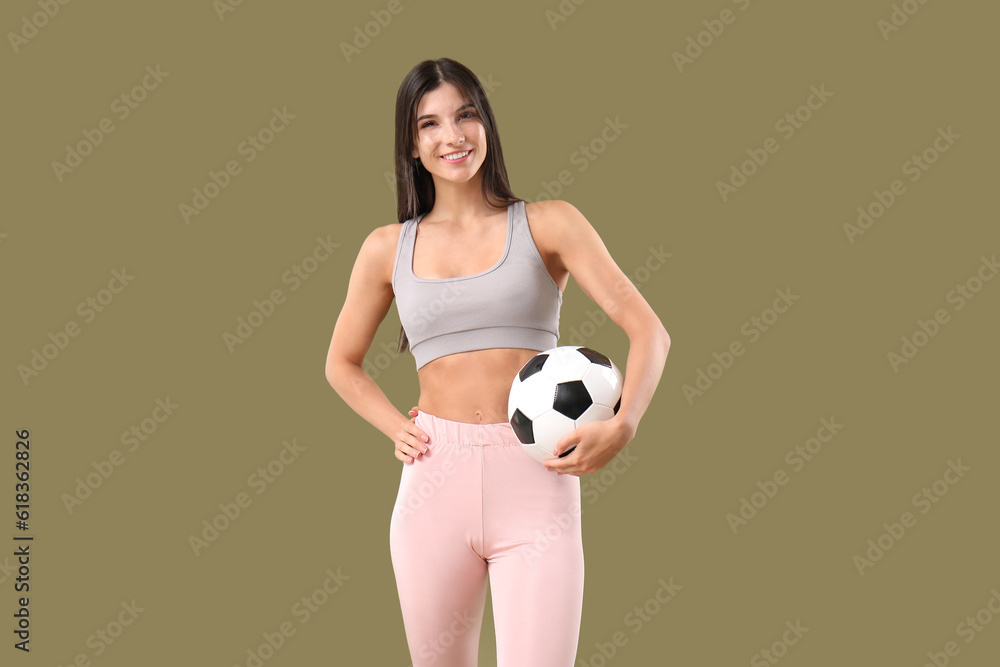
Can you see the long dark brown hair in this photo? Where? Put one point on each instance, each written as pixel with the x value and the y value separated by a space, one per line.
pixel 414 184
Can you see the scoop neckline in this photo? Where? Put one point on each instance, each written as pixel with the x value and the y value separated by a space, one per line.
pixel 503 256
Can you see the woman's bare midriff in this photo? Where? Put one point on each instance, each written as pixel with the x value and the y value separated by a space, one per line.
pixel 471 387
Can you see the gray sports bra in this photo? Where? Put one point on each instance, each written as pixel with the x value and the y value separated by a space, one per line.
pixel 513 304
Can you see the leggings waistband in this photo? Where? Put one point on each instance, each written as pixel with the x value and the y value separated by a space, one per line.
pixel 447 431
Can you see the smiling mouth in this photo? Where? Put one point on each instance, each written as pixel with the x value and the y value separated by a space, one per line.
pixel 451 157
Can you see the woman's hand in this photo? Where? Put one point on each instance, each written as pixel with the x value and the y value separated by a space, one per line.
pixel 410 440
pixel 595 444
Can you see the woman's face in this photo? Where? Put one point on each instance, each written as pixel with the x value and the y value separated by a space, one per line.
pixel 447 124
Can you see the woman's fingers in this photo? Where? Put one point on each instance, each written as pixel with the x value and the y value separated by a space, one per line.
pixel 410 442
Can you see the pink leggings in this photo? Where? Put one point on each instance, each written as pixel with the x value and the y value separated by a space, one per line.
pixel 477 505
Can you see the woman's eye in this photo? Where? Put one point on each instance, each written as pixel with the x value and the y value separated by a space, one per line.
pixel 470 114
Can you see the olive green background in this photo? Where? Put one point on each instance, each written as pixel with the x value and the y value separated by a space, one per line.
pixel 324 176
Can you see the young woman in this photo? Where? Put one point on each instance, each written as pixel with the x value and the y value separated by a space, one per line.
pixel 478 276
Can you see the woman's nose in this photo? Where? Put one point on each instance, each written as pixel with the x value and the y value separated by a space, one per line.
pixel 455 135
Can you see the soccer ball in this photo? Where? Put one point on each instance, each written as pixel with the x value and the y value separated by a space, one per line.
pixel 559 390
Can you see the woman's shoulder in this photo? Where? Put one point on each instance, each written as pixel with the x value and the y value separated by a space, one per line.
pixel 554 223
pixel 551 211
pixel 551 218
pixel 386 236
pixel 378 250
pixel 547 225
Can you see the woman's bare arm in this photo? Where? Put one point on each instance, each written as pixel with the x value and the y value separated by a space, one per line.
pixel 369 295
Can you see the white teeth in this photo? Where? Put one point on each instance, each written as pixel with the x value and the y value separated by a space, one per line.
pixel 456 156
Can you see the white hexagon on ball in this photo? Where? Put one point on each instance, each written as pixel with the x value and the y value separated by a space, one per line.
pixel 604 384
pixel 534 396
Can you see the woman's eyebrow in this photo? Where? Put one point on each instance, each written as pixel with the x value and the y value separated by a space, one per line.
pixel 434 115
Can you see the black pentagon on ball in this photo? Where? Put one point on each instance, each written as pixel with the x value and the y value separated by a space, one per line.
pixel 521 426
pixel 533 366
pixel 595 357
pixel 618 404
pixel 572 399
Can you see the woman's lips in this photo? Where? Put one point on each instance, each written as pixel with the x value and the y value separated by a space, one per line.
pixel 462 159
